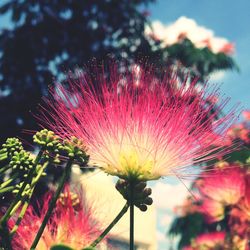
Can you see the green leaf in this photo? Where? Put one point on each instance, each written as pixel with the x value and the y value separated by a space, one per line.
pixel 187 227
pixel 61 247
pixel 242 155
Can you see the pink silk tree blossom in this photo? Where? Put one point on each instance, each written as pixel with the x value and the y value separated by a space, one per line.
pixel 226 186
pixel 71 223
pixel 136 125
pixel 208 241
pixel 211 239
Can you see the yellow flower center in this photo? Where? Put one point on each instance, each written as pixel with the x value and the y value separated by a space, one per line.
pixel 134 166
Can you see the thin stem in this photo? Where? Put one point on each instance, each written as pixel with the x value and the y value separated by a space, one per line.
pixel 111 225
pixel 20 192
pixel 19 203
pixel 131 230
pixel 5 168
pixel 6 241
pixel 6 183
pixel 4 232
pixel 20 216
pixel 52 204
pixel 26 200
pixel 7 189
pixel 40 172
pixel 3 156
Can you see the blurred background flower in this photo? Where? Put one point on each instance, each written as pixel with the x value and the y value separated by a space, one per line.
pixel 222 205
pixel 187 28
pixel 72 223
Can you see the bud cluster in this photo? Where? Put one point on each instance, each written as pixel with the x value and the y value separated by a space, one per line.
pixel 16 163
pixel 75 149
pixel 67 198
pixel 47 140
pixel 140 193
pixel 21 160
pixel 11 146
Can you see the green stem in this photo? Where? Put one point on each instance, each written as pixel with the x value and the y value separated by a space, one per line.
pixel 131 229
pixel 7 189
pixel 52 204
pixel 5 168
pixel 40 172
pixel 27 200
pixel 18 204
pixel 20 216
pixel 6 216
pixel 6 241
pixel 23 198
pixel 3 156
pixel 6 183
pixel 111 225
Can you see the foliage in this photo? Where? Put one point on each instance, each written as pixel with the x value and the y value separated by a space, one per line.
pixel 51 37
pixel 200 61
pixel 193 224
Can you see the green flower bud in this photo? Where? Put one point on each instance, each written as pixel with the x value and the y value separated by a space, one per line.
pixel 75 149
pixel 26 192
pixel 47 139
pixel 11 146
pixel 21 161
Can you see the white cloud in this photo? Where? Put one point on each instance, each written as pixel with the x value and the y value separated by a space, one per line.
pixel 166 220
pixel 185 27
pixel 167 196
pixel 161 236
pixel 217 76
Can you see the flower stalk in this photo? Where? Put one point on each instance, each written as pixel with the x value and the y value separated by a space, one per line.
pixel 3 169
pixel 110 226
pixel 3 156
pixel 4 232
pixel 6 183
pixel 7 189
pixel 65 176
pixel 26 200
pixel 131 230
pixel 16 201
pixel 20 216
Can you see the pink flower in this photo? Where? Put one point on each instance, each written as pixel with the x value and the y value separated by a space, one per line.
pixel 70 224
pixel 188 207
pixel 136 128
pixel 245 135
pixel 228 48
pixel 210 240
pixel 246 115
pixel 226 186
pixel 240 215
pixel 247 195
pixel 213 210
pixel 233 132
pixel 184 27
